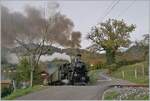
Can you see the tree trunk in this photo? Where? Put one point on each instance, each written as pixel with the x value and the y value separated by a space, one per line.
pixel 31 78
pixel 110 56
pixel 14 85
pixel 31 72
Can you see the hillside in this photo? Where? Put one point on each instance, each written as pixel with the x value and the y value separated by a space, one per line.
pixel 140 68
pixel 134 53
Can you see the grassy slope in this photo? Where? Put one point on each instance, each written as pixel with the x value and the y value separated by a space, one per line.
pixel 93 74
pixel 110 95
pixel 130 75
pixel 21 92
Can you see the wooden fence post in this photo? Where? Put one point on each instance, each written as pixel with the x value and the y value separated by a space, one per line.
pixel 135 72
pixel 123 74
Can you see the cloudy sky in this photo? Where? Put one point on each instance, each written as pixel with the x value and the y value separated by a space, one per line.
pixel 86 14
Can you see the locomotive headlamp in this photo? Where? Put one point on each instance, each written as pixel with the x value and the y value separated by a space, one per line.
pixel 92 65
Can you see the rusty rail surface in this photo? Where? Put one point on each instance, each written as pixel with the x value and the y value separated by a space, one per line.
pixel 128 86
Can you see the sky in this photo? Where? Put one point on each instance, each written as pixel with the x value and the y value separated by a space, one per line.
pixel 86 14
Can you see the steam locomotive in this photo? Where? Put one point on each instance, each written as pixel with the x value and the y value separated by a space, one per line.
pixel 74 73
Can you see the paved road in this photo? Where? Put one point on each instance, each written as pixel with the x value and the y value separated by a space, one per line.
pixel 65 93
pixel 74 92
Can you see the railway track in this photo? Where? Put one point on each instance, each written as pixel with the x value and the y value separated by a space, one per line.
pixel 121 86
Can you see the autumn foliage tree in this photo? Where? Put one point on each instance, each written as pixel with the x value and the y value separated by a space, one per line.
pixel 111 35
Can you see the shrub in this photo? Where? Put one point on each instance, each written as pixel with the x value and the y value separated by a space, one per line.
pixel 6 91
pixel 126 62
pixel 111 68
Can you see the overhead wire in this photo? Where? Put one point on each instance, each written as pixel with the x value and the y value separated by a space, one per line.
pixel 127 8
pixel 108 7
pixel 112 7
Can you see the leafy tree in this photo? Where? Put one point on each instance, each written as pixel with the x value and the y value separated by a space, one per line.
pixel 23 70
pixel 111 35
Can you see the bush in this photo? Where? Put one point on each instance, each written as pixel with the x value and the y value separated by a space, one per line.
pixel 111 68
pixel 93 74
pixel 6 91
pixel 115 66
pixel 24 70
pixel 126 62
pixel 101 66
pixel 98 66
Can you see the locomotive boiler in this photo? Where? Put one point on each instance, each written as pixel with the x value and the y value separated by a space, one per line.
pixel 74 73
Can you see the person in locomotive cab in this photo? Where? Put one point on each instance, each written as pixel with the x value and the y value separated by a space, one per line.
pixel 80 64
pixel 78 58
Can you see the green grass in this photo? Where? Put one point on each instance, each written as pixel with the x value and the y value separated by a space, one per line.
pixel 93 74
pixel 130 75
pixel 21 92
pixel 111 95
